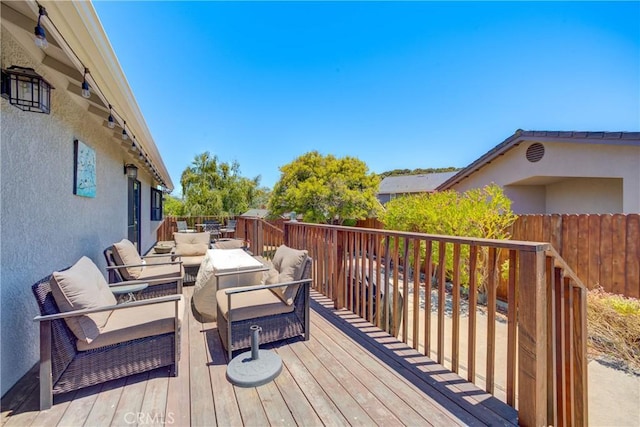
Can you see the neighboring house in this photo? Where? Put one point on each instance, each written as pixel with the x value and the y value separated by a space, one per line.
pixel 256 213
pixel 561 172
pixel 394 186
pixel 48 220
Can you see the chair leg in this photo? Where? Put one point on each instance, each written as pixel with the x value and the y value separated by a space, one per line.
pixel 46 382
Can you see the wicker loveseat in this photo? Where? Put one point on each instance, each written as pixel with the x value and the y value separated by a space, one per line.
pixel 82 344
pixel 280 306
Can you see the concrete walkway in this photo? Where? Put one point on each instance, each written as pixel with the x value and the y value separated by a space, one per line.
pixel 614 395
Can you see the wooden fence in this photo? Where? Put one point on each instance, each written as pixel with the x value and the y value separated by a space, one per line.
pixel 603 250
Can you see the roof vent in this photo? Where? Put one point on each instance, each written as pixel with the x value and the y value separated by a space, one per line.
pixel 535 152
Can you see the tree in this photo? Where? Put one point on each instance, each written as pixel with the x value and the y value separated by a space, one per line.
pixel 326 189
pixel 210 187
pixel 173 206
pixel 398 172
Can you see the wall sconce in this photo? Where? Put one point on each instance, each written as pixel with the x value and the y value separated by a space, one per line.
pixel 111 123
pixel 131 171
pixel 41 37
pixel 86 91
pixel 26 89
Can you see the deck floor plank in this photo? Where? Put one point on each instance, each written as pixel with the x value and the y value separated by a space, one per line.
pixel 227 410
pixel 203 412
pixel 104 408
pixel 130 400
pixel 323 405
pixel 154 404
pixel 298 404
pixel 179 397
pixel 80 407
pixel 348 373
pixel 348 406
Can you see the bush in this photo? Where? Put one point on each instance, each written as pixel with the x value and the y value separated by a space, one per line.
pixel 614 326
pixel 482 212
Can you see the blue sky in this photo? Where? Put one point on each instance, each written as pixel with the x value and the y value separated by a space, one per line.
pixel 397 85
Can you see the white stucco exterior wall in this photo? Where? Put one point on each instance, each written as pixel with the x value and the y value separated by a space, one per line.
pixel 558 172
pixel 44 226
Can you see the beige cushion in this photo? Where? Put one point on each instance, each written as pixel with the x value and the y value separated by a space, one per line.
pixel 161 271
pixel 290 263
pixel 80 287
pixel 192 261
pixel 271 277
pixel 136 322
pixel 191 244
pixel 249 305
pixel 125 253
pixel 229 244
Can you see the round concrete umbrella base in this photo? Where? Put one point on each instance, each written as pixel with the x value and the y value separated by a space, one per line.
pixel 245 371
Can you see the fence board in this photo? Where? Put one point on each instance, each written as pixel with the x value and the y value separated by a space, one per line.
pixel 632 258
pixel 593 278
pixel 618 245
pixel 582 246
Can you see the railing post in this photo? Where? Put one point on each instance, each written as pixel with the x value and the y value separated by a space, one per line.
pixel 286 234
pixel 532 341
pixel 340 276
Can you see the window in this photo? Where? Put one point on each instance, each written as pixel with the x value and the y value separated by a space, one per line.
pixel 156 205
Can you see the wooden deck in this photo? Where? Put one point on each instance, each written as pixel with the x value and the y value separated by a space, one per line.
pixel 348 373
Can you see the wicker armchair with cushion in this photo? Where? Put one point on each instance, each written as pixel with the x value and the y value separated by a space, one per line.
pixel 164 274
pixel 192 247
pixel 280 306
pixel 86 338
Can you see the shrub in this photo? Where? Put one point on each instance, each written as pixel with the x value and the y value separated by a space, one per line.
pixel 614 326
pixel 483 212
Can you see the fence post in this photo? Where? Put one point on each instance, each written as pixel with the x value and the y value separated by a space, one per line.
pixel 285 237
pixel 532 342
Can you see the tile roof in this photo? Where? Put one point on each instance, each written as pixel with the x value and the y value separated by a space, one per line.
pixel 413 183
pixel 580 137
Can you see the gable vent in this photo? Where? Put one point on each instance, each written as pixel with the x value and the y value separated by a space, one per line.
pixel 535 152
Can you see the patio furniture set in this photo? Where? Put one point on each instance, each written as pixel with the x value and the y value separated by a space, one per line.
pixel 92 331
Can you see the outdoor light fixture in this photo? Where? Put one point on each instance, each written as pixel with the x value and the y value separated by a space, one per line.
pixel 124 131
pixel 111 123
pixel 86 91
pixel 26 89
pixel 131 171
pixel 41 37
pixel 133 146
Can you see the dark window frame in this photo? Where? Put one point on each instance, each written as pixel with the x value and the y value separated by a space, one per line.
pixel 156 204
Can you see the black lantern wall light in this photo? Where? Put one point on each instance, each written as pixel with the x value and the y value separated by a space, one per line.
pixel 26 89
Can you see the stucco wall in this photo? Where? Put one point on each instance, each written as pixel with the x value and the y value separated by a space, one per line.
pixel 563 161
pixel 44 227
pixel 586 195
pixel 527 199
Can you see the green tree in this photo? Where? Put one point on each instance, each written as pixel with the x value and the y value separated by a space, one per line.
pixel 211 187
pixel 326 189
pixel 172 206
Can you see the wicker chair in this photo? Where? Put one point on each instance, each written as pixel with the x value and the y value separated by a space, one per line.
pixel 160 280
pixel 291 320
pixel 64 368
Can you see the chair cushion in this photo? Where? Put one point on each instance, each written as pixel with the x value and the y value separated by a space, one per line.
pixel 131 323
pixel 290 264
pixel 124 252
pixel 229 244
pixel 151 271
pixel 79 287
pixel 192 261
pixel 249 305
pixel 191 244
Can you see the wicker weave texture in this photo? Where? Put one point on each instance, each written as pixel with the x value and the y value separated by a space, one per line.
pixel 73 369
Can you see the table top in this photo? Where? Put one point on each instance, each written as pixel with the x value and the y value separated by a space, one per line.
pixel 232 259
pixel 125 289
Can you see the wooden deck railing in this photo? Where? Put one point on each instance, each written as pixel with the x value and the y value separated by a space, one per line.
pixel 541 337
pixel 262 237
pixel 168 226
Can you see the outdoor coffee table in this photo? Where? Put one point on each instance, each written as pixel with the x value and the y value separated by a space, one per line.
pixel 221 269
